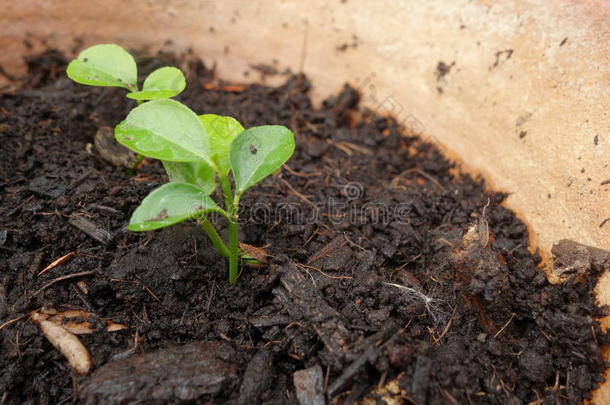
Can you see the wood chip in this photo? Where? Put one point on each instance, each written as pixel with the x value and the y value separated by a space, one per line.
pixel 328 249
pixel 66 343
pixel 99 234
pixel 309 385
pixel 304 301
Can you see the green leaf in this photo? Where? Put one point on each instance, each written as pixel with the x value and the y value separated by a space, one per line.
pixel 165 130
pixel 222 131
pixel 197 173
pixel 164 82
pixel 257 152
pixel 170 204
pixel 104 65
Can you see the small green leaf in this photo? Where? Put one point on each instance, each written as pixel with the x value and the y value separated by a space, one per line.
pixel 164 82
pixel 257 152
pixel 165 130
pixel 222 131
pixel 170 204
pixel 197 173
pixel 104 65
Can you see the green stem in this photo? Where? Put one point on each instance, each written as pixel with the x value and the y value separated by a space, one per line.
pixel 139 159
pixel 214 237
pixel 225 184
pixel 231 205
pixel 233 252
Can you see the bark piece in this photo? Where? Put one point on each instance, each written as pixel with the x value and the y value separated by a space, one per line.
pixel 99 234
pixel 302 299
pixel 196 372
pixel 370 349
pixel 327 250
pixel 257 378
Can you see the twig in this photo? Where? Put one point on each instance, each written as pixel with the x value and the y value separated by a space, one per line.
pixel 353 243
pixel 301 196
pixel 421 173
pixel 299 174
pixel 56 263
pixel 341 147
pixel 62 278
pixel 483 227
pixel 305 267
pixel 357 148
pixel 229 88
pixel 144 287
pixel 505 325
pixel 7 323
pixel 446 329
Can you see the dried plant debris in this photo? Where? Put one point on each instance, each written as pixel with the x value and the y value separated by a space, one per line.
pixel 60 329
pixel 260 255
pixel 66 343
pixel 81 322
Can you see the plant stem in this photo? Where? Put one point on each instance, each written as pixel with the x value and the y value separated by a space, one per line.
pixel 231 205
pixel 233 251
pixel 139 159
pixel 214 237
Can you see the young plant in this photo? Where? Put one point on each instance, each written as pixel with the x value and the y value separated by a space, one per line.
pixel 197 151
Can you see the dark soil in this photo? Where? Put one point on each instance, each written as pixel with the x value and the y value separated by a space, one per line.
pixel 374 277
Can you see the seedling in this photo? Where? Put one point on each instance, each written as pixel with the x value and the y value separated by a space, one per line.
pixel 197 152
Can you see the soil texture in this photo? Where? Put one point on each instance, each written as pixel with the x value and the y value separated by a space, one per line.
pixel 391 276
